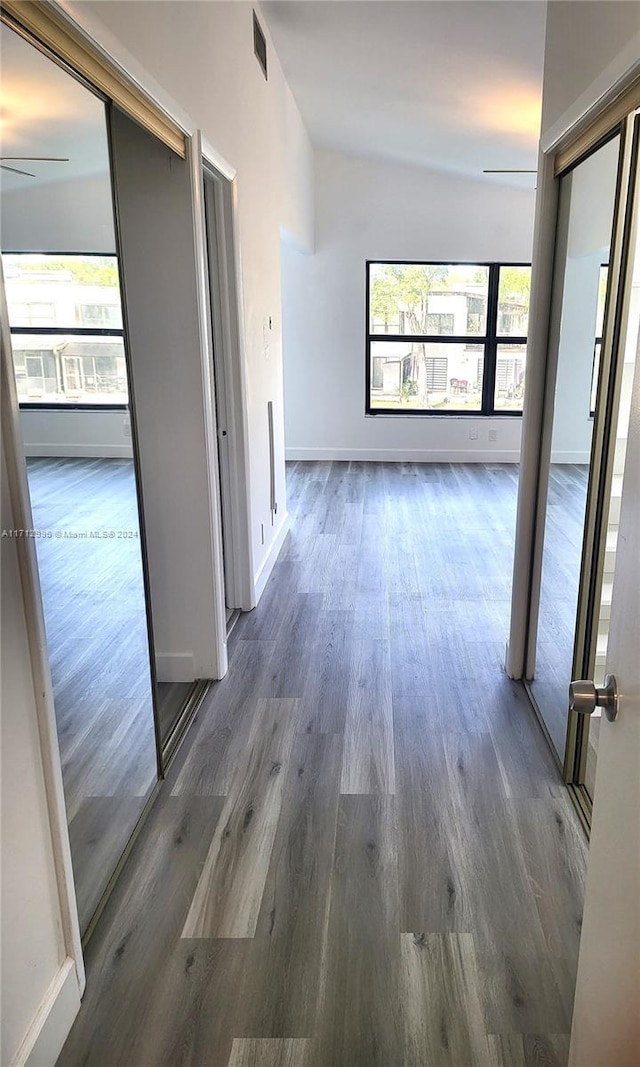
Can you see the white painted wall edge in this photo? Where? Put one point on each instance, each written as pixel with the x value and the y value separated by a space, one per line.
pixel 405 455
pixel 202 266
pixel 75 451
pixel 610 82
pixel 268 563
pixel 108 45
pixel 175 666
pixel 43 1041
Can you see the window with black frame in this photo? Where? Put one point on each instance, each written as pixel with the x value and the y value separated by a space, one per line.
pixel 65 315
pixel 446 338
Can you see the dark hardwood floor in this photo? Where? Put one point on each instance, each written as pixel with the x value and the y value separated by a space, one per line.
pixel 363 855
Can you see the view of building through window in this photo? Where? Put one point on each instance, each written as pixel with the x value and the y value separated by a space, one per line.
pixel 65 315
pixel 447 337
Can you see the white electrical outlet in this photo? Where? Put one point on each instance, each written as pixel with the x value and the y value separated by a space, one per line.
pixel 126 428
pixel 493 435
pixel 473 435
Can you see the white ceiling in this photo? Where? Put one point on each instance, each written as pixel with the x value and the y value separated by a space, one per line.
pixel 46 112
pixel 449 84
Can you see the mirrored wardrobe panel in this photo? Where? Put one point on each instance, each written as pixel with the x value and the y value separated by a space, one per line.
pixel 580 285
pixel 629 346
pixel 61 275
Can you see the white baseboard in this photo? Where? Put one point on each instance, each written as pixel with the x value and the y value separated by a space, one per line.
pixel 175 667
pixel 74 451
pixel 49 1028
pixel 571 457
pixel 406 455
pixel 268 563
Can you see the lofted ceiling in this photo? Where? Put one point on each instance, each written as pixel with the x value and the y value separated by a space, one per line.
pixel 454 85
pixel 46 112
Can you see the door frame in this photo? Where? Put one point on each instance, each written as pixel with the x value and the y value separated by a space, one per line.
pixel 228 334
pixel 229 377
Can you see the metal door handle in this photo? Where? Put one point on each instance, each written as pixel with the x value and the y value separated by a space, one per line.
pixel 585 698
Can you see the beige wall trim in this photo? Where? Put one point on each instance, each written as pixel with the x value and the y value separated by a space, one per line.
pixel 583 139
pixel 43 24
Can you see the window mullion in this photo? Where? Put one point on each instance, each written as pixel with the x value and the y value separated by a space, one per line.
pixel 490 348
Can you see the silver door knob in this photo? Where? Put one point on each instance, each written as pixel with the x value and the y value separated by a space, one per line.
pixel 585 698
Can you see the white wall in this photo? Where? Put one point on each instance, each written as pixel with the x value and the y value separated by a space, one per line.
pixel 200 56
pixel 589 45
pixel 33 952
pixel 61 216
pixel 590 189
pixel 572 424
pixel 371 210
pixel 77 433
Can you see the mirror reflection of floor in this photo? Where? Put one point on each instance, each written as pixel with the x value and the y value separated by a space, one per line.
pixel 172 697
pixel 592 755
pixel 564 532
pixel 93 597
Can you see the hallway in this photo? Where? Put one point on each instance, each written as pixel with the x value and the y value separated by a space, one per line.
pixel 363 855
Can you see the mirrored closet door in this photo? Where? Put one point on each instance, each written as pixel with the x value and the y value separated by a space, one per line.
pixel 72 378
pixel 583 241
pixel 593 347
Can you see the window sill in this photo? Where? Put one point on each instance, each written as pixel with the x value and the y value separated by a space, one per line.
pixel 73 407
pixel 443 415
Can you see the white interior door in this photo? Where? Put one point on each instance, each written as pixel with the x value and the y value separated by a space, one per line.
pixel 606 1022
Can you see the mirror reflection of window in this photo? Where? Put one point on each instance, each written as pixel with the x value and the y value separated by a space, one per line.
pixel 70 295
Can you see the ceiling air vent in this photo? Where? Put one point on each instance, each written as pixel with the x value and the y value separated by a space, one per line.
pixel 259 44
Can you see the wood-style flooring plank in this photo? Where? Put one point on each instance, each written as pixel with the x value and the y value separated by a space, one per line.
pixel 189 1020
pixel 271 1052
pixel 290 666
pixel 137 939
pixel 520 989
pixel 323 707
pixel 368 760
pixel 442 1015
pixel 208 765
pixel 526 763
pixel 99 832
pixel 431 891
pixel 528 1050
pixel 282 979
pixel 555 856
pixel 359 1018
pixel 227 900
pixel 341 578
